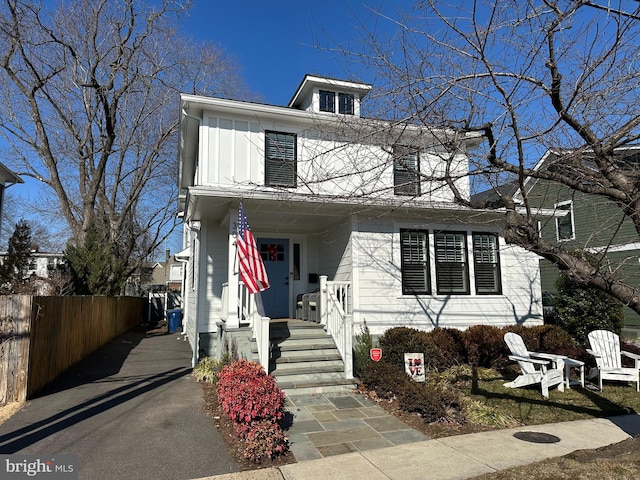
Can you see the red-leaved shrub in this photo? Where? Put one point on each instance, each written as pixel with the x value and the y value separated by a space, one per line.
pixel 247 394
pixel 264 439
pixel 255 404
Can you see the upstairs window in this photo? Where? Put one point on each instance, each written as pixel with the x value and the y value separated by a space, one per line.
pixel 280 161
pixel 414 249
pixel 327 101
pixel 486 262
pixel 406 171
pixel 564 224
pixel 452 272
pixel 345 103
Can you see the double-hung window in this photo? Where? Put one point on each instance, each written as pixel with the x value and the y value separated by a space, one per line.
pixel 414 247
pixel 452 271
pixel 345 103
pixel 406 171
pixel 486 263
pixel 564 223
pixel 280 159
pixel 327 101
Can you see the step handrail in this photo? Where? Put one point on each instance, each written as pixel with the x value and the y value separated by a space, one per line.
pixel 335 315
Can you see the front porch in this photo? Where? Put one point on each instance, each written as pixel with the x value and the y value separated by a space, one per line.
pixel 311 354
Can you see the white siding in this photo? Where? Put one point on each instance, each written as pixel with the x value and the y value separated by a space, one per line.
pixel 216 263
pixel 382 305
pixel 340 159
pixel 334 248
pixel 332 163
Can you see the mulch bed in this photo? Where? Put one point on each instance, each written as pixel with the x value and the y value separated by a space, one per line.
pixel 235 445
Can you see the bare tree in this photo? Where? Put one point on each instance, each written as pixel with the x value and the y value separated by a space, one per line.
pixel 531 76
pixel 90 106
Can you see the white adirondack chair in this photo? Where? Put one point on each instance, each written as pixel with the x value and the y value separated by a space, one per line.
pixel 605 347
pixel 534 370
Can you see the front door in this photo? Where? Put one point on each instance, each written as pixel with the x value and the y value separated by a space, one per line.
pixel 275 254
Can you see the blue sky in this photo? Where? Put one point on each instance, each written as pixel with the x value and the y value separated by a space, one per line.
pixel 275 42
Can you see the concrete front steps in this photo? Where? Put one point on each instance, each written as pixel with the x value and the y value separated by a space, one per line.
pixel 305 360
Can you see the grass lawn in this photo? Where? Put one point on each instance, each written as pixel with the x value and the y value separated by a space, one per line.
pixel 527 405
pixel 496 406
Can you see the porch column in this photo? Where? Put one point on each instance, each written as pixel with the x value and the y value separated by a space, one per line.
pixel 233 321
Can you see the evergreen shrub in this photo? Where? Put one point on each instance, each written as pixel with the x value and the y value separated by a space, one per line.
pixel 450 348
pixel 397 341
pixel 362 345
pixel 485 346
pixel 384 378
pixel 579 309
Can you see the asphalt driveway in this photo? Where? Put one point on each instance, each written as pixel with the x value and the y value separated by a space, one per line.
pixel 131 410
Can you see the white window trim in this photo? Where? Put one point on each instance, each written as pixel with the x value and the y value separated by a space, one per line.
pixel 570 213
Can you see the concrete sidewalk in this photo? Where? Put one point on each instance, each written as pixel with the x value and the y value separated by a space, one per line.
pixel 457 457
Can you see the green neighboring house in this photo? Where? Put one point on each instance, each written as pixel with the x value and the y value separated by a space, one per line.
pixel 587 221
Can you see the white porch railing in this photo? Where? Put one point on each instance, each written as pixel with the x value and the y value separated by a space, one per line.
pixel 333 310
pixel 335 315
pixel 249 313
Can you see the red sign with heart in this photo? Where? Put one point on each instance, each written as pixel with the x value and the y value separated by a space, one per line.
pixel 376 354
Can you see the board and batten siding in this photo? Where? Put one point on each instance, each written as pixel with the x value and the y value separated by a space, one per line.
pixel 232 154
pixel 382 305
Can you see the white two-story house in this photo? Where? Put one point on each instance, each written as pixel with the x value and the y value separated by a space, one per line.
pixel 346 206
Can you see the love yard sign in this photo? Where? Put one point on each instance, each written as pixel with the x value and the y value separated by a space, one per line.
pixel 414 366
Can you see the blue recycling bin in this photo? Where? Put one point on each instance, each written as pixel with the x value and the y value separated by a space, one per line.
pixel 174 318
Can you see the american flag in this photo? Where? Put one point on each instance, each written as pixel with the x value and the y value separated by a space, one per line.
pixel 251 267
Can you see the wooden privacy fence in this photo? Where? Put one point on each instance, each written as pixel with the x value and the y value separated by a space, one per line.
pixel 40 337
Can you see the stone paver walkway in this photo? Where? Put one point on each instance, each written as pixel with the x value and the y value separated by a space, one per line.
pixel 333 424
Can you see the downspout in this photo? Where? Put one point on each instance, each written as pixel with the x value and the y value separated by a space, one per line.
pixel 196 280
pixel 185 266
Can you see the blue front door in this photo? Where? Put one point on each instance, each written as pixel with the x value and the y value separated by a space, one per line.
pixel 275 255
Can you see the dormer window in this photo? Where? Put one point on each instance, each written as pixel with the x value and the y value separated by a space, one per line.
pixel 345 103
pixel 327 101
pixel 329 95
